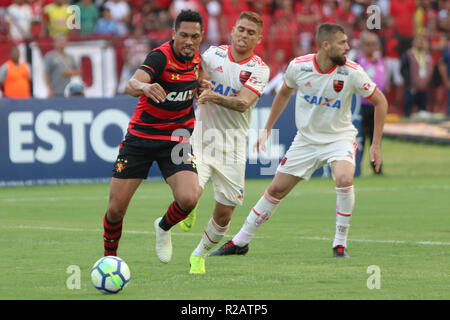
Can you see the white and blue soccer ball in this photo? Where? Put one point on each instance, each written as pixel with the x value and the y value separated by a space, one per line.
pixel 110 274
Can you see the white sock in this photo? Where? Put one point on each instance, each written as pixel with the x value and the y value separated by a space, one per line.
pixel 212 235
pixel 345 201
pixel 261 212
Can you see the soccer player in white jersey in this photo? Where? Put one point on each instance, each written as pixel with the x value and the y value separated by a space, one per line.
pixel 238 79
pixel 325 83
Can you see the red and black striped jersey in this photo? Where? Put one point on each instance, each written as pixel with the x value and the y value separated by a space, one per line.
pixel 178 78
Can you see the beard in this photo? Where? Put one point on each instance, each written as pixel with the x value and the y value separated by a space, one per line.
pixel 339 60
pixel 187 57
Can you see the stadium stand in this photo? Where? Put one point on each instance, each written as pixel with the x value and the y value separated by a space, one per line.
pixel 288 29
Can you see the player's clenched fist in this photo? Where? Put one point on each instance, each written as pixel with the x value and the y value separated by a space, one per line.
pixel 202 86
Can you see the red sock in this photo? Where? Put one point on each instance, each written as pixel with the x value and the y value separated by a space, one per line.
pixel 111 236
pixel 173 215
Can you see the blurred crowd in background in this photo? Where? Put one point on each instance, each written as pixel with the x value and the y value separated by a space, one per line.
pixel 411 41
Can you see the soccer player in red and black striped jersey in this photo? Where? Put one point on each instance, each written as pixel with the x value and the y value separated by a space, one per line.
pixel 159 131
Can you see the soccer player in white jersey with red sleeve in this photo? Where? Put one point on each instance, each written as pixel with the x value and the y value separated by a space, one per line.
pixel 325 83
pixel 223 116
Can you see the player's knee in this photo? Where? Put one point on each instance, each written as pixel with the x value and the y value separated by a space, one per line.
pixel 188 201
pixel 223 221
pixel 223 217
pixel 116 213
pixel 276 192
pixel 344 181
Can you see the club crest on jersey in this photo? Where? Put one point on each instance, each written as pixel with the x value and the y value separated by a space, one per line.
pixel 338 85
pixel 244 75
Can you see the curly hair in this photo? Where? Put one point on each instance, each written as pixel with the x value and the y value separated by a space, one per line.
pixel 188 16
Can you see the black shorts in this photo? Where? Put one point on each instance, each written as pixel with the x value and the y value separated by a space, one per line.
pixel 136 156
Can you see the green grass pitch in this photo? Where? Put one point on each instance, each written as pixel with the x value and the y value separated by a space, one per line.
pixel 401 224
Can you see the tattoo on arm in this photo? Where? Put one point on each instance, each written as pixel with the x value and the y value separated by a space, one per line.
pixel 232 103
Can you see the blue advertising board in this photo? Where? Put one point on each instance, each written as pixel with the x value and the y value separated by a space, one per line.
pixel 75 140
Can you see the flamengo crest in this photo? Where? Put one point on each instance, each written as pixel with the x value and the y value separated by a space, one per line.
pixel 338 85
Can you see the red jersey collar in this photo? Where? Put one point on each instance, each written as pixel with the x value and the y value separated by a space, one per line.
pixel 317 67
pixel 240 62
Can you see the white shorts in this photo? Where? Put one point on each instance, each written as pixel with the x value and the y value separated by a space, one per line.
pixel 303 158
pixel 228 180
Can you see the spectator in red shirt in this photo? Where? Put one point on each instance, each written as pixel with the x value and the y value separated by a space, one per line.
pixel 345 16
pixel 163 4
pixel 5 3
pixel 392 58
pixel 231 10
pixel 213 36
pixel 177 5
pixel 329 11
pixel 262 7
pixel 444 15
pixel 147 16
pixel 403 13
pixel 308 15
pixel 284 30
pixel 279 63
pixel 161 28
pixel 437 45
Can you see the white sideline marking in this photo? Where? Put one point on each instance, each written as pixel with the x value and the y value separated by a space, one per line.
pixel 368 240
pixel 87 198
pixel 299 192
pixel 101 230
pixel 94 230
pixel 435 243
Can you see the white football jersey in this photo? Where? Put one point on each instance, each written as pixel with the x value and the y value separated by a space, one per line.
pixel 323 102
pixel 228 78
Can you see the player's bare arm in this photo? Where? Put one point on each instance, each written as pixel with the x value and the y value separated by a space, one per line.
pixel 380 103
pixel 204 82
pixel 278 105
pixel 140 84
pixel 203 73
pixel 240 103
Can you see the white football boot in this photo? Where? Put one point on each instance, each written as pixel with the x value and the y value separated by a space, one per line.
pixel 163 243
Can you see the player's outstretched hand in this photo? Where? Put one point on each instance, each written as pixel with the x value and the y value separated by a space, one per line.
pixel 154 91
pixel 207 95
pixel 375 157
pixel 261 143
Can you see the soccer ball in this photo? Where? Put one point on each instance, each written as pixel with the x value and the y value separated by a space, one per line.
pixel 110 274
